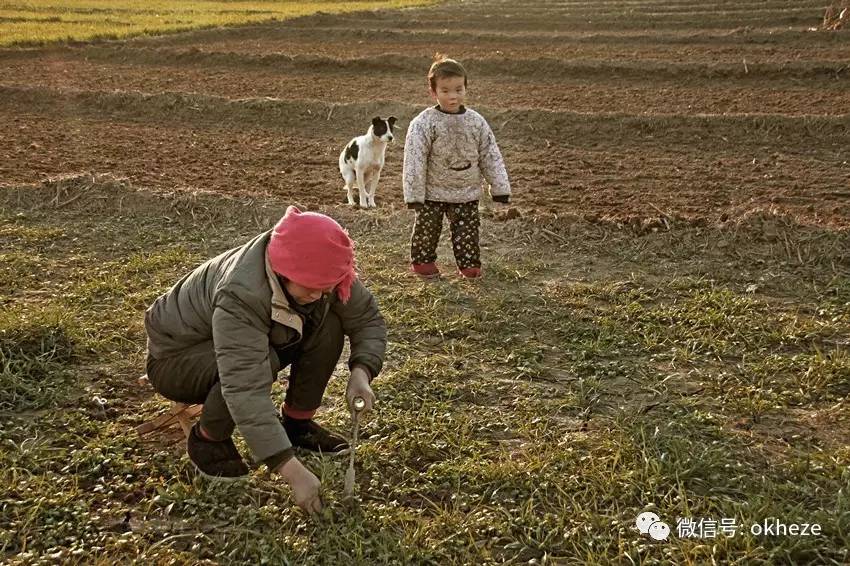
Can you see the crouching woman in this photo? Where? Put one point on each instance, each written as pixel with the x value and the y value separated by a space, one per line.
pixel 219 336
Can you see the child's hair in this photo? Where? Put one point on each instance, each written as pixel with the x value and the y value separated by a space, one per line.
pixel 443 67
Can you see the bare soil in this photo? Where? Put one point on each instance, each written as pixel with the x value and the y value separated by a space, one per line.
pixel 606 110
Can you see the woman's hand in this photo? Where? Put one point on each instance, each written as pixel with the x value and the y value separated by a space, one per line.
pixel 358 386
pixel 306 487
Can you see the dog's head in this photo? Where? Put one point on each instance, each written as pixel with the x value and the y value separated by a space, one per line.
pixel 383 129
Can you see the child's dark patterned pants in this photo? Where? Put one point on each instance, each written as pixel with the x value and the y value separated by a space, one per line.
pixel 464 224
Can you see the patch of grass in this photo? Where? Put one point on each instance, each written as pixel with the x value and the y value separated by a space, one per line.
pixel 703 319
pixel 35 350
pixel 22 262
pixel 19 271
pixel 136 281
pixel 836 299
pixel 524 418
pixel 45 21
pixel 19 231
pixel 778 380
pixel 105 296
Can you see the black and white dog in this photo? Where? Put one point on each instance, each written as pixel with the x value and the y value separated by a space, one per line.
pixel 363 158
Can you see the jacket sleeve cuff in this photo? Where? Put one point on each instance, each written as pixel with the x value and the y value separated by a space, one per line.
pixel 274 462
pixel 372 364
pixel 502 198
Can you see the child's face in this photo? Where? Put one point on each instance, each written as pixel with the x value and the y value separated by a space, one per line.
pixel 450 93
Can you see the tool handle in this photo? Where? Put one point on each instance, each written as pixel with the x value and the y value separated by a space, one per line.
pixel 358 403
pixel 351 451
pixel 354 434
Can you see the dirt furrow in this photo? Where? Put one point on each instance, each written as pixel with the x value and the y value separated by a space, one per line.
pixel 613 5
pixel 550 68
pixel 582 94
pixel 313 35
pixel 380 44
pixel 531 124
pixel 394 46
pixel 494 19
pixel 605 180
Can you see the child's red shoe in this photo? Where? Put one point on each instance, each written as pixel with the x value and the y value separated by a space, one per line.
pixel 471 272
pixel 425 270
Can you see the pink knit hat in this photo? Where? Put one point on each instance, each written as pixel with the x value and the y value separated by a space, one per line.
pixel 311 249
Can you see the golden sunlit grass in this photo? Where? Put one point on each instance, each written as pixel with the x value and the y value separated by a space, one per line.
pixel 36 22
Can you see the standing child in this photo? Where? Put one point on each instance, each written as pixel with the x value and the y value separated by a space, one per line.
pixel 449 148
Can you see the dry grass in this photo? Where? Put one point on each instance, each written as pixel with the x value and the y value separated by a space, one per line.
pixel 837 15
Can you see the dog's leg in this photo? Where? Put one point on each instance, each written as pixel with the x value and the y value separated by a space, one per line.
pixel 350 178
pixel 373 186
pixel 361 184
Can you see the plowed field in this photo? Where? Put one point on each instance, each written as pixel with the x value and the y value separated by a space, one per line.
pixel 703 110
